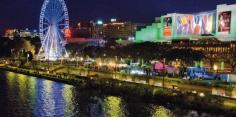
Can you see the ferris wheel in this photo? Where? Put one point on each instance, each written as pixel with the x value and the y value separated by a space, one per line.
pixel 53 22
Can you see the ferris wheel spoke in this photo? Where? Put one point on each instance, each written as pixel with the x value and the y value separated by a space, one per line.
pixel 59 15
pixel 45 23
pixel 61 18
pixel 54 8
pixel 60 8
pixel 62 24
pixel 46 18
pixel 45 29
pixel 58 12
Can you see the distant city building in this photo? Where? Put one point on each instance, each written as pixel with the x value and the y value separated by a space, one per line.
pixel 217 23
pixel 100 29
pixel 11 33
pixel 28 33
pixel 116 29
pixel 83 30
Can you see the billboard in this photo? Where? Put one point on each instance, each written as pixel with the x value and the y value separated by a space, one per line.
pixel 224 21
pixel 184 25
pixel 197 24
pixel 167 26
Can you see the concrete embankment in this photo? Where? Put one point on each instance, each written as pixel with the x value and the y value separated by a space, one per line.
pixel 204 103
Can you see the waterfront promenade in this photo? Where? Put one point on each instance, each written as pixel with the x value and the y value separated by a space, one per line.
pixel 176 91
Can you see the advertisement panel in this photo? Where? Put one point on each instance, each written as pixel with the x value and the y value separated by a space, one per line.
pixel 184 25
pixel 167 26
pixel 204 24
pixel 224 23
pixel 197 24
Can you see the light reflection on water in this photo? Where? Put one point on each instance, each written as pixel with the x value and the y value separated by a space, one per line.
pixel 23 96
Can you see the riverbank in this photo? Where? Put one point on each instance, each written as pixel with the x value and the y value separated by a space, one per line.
pixel 205 103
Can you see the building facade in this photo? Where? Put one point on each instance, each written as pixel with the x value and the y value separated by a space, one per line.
pixel 216 23
pixel 12 33
pixel 114 29
pixel 221 54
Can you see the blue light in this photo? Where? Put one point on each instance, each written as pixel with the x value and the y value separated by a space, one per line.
pixel 54 20
pixel 99 22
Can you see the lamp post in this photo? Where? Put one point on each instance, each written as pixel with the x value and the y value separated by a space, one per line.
pixel 215 68
pixel 115 65
pixel 163 78
pixel 48 63
pixel 27 57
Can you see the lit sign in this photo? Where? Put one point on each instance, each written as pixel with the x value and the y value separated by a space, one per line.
pixel 167 26
pixel 197 24
pixel 224 21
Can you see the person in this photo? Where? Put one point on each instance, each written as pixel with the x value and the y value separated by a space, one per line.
pixel 221 23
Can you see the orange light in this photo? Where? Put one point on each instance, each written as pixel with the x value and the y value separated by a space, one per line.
pixel 167 31
pixel 67 33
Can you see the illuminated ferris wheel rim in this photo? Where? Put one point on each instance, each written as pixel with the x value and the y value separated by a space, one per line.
pixel 48 17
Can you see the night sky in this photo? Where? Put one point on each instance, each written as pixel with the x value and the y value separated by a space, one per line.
pixel 25 13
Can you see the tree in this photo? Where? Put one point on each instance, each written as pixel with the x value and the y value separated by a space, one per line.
pixel 146 51
pixel 7 46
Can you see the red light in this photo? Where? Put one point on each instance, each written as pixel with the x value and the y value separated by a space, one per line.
pixel 67 33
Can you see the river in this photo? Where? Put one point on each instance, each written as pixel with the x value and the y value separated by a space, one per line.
pixel 26 96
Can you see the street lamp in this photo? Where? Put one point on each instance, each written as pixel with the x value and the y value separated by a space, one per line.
pixel 115 65
pixel 215 68
pixel 163 80
pixel 28 57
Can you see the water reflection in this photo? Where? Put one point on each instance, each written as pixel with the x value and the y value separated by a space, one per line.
pixel 23 96
pixel 114 107
pixel 96 107
pixel 68 101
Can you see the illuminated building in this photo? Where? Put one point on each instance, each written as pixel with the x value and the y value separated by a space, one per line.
pixel 105 30
pixel 217 23
pixel 119 30
pixel 28 33
pixel 83 30
pixel 114 29
pixel 98 30
pixel 217 53
pixel 11 33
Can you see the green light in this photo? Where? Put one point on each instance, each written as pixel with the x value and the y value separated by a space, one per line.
pixel 222 66
pixel 150 33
